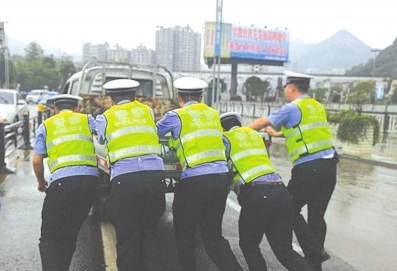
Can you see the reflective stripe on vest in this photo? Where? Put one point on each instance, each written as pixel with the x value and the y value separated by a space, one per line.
pixel 307 127
pixel 192 158
pixel 196 134
pixel 68 138
pixel 137 150
pixel 312 134
pixel 131 131
pixel 200 139
pixel 248 156
pixel 243 154
pixel 72 158
pixel 127 130
pixel 311 146
pixel 69 141
pixel 255 170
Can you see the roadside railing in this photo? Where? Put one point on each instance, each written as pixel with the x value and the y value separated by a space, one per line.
pixel 19 134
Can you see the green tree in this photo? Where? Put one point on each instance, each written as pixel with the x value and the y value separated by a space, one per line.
pixel 11 70
pixel 318 93
pixel 336 88
pixel 211 88
pixel 66 69
pixel 34 71
pixel 33 51
pixel 393 98
pixel 362 93
pixel 364 88
pixel 255 87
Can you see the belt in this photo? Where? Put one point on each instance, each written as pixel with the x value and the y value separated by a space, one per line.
pixel 264 183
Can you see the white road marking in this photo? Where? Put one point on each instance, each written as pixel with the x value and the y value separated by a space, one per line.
pixel 235 206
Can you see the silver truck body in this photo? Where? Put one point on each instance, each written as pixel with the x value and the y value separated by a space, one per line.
pixel 155 90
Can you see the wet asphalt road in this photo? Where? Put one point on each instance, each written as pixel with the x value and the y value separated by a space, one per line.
pixel 362 223
pixel 20 221
pixel 20 229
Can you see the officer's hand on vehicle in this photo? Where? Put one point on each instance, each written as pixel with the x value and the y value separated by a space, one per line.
pixel 272 132
pixel 42 187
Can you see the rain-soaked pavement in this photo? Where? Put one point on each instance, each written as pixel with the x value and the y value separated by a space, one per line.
pixel 20 221
pixel 362 222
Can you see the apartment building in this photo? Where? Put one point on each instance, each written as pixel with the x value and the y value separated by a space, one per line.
pixel 178 48
pixel 95 52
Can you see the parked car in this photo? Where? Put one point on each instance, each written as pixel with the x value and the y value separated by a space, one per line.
pixel 36 95
pixel 43 102
pixel 12 106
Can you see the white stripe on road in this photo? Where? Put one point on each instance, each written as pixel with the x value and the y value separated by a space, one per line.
pixel 235 206
pixel 109 245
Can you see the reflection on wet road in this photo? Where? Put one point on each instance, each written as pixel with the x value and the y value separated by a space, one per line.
pixel 362 215
pixel 20 227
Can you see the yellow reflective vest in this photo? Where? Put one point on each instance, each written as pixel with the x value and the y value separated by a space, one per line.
pixel 312 134
pixel 248 156
pixel 130 132
pixel 69 141
pixel 200 140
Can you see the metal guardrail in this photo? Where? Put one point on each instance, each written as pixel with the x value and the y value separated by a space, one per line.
pixel 9 135
pixel 387 119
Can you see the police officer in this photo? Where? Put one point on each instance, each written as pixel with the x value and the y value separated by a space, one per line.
pixel 137 196
pixel 66 139
pixel 266 204
pixel 309 142
pixel 200 196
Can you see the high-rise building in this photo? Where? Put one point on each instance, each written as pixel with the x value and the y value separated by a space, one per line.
pixel 118 54
pixel 178 48
pixel 95 52
pixel 143 56
pixel 165 47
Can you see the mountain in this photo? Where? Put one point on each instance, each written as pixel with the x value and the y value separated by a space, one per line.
pixel 298 48
pixel 336 54
pixel 385 64
pixel 340 51
pixel 18 48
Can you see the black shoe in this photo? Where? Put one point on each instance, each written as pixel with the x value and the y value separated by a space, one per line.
pixel 324 256
pixel 316 263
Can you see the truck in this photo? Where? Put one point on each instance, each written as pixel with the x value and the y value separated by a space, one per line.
pixel 155 90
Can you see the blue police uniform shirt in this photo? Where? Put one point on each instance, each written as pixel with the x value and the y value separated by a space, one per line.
pixel 172 123
pixel 271 177
pixel 41 149
pixel 131 164
pixel 290 115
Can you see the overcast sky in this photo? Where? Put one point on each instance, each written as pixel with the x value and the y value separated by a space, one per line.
pixel 66 24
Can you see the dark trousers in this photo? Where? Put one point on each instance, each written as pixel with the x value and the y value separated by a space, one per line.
pixel 136 204
pixel 200 202
pixel 312 184
pixel 267 209
pixel 66 206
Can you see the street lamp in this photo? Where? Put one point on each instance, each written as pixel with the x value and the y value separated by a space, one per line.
pixel 373 66
pixel 4 47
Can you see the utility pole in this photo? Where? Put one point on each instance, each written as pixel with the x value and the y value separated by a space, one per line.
pixel 3 44
pixel 217 55
pixel 373 66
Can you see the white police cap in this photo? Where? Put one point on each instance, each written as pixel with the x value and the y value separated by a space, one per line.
pixel 230 115
pixel 190 85
pixel 65 99
pixel 294 77
pixel 120 87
